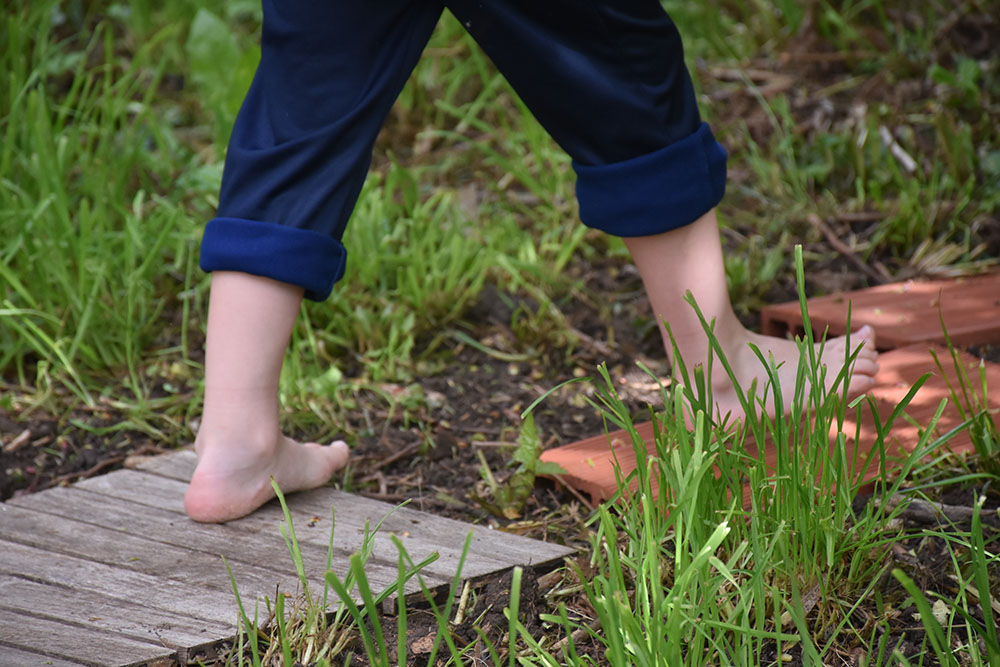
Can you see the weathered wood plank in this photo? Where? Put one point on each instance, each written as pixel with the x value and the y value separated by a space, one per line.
pixel 165 493
pixel 170 595
pixel 421 533
pixel 13 657
pixel 256 543
pixel 73 642
pixel 508 547
pixel 99 612
pixel 132 552
pixel 177 465
pixel 117 562
pixel 311 515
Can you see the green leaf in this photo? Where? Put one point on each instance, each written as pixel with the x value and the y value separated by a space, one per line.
pixel 529 444
pixel 212 50
pixel 220 69
pixel 549 468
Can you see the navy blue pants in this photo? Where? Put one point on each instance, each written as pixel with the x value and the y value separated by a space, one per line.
pixel 606 78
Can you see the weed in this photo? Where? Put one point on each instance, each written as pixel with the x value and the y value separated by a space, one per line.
pixel 686 574
pixel 311 630
pixel 508 499
pixel 972 402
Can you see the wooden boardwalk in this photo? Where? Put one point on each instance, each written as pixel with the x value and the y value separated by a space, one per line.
pixel 110 571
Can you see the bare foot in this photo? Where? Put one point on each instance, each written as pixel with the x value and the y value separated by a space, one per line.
pixel 685 264
pixel 231 482
pixel 748 368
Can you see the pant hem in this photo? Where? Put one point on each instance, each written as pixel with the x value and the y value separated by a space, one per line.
pixel 656 192
pixel 300 257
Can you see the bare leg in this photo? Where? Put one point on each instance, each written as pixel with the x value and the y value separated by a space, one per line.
pixel 690 258
pixel 240 446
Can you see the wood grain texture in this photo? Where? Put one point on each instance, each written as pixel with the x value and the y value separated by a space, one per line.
pixel 74 642
pixel 177 465
pixel 312 527
pixel 352 511
pixel 258 544
pixel 122 584
pixel 126 551
pixel 99 612
pixel 13 657
pixel 115 561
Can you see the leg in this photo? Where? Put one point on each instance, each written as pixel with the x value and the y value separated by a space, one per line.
pixel 607 79
pixel 297 159
pixel 240 447
pixel 301 146
pixel 690 258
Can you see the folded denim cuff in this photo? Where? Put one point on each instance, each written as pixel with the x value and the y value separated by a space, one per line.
pixel 656 192
pixel 300 257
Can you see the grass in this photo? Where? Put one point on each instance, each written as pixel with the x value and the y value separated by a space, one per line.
pixel 692 575
pixel 112 121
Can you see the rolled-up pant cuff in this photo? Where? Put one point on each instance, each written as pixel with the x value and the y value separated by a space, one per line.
pixel 300 257
pixel 656 192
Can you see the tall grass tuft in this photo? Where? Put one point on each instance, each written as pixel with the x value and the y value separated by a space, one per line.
pixel 86 233
pixel 970 396
pixel 686 570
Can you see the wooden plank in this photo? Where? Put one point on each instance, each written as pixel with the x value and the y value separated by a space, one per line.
pixel 99 612
pixel 122 584
pixel 73 642
pixel 132 552
pixel 151 490
pixel 138 487
pixel 117 563
pixel 498 545
pixel 177 465
pixel 420 532
pixel 257 543
pixel 13 657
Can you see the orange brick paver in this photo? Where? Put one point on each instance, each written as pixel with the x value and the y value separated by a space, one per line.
pixel 903 313
pixel 590 464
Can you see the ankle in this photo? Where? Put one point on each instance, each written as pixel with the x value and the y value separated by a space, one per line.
pixel 733 343
pixel 251 438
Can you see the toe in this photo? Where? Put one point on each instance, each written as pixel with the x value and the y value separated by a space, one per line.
pixel 865 367
pixel 861 384
pixel 337 455
pixel 865 334
pixel 329 458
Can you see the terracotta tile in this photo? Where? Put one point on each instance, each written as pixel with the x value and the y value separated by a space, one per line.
pixel 903 313
pixel 591 464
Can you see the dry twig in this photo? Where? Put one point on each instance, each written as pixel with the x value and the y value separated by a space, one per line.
pixel 877 274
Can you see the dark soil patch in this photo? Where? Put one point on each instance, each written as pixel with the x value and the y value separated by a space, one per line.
pixel 45 450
